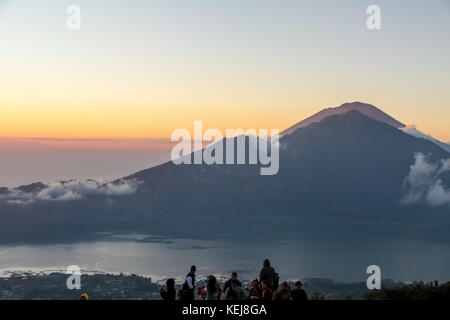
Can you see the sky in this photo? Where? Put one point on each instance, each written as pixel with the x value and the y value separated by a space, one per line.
pixel 141 69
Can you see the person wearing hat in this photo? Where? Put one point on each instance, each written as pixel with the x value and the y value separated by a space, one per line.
pixel 84 296
pixel 189 286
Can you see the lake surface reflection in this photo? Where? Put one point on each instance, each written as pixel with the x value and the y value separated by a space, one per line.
pixel 160 257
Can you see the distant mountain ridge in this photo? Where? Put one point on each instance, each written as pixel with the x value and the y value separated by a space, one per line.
pixel 364 108
pixel 345 174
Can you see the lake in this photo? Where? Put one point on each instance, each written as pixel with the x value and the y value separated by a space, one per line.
pixel 160 257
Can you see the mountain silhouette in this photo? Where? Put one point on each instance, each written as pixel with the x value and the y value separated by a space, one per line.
pixel 366 109
pixel 344 173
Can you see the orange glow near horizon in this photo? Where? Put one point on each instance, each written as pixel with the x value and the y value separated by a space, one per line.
pixel 138 121
pixel 160 66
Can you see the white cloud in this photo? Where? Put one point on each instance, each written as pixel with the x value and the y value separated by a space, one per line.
pixel 69 190
pixel 437 195
pixel 445 165
pixel 424 182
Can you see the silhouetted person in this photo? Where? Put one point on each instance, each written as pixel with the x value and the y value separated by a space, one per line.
pixel 189 286
pixel 201 290
pixel 170 294
pixel 255 292
pixel 233 280
pixel 284 293
pixel 213 290
pixel 298 294
pixel 276 282
pixel 230 294
pixel 236 291
pixel 267 293
pixel 267 273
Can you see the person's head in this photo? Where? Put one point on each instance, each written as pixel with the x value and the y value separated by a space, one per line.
pixel 234 276
pixel 265 284
pixel 211 284
pixel 285 286
pixel 255 283
pixel 193 269
pixel 84 296
pixel 298 285
pixel 170 283
pixel 266 263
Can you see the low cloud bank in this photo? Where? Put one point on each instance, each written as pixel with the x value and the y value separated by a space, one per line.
pixel 66 190
pixel 424 182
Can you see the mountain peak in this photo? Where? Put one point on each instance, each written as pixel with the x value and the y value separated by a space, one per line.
pixel 364 108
